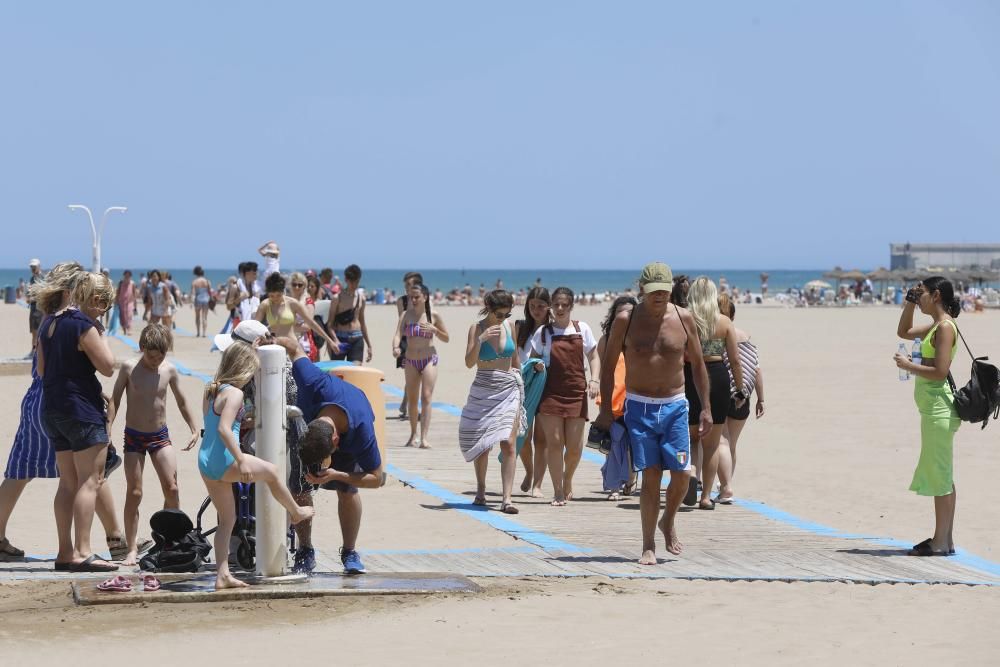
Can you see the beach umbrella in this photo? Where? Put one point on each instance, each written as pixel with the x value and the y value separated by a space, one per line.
pixel 984 276
pixel 881 274
pixel 818 285
pixel 835 274
pixel 854 274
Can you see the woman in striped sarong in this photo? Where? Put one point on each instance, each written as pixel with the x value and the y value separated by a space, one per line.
pixel 493 414
pixel 753 380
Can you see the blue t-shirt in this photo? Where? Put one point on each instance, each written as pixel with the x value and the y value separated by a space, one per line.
pixel 70 385
pixel 318 389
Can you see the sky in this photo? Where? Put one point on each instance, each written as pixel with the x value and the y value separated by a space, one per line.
pixel 578 134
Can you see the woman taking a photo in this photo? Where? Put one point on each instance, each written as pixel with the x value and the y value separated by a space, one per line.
pixel 279 312
pixel 419 324
pixel 936 404
pixel 347 320
pixel 717 335
pixel 72 348
pixel 563 346
pixel 493 414
pixel 537 313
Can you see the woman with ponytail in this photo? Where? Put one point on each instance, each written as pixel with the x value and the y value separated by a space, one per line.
pixel 938 420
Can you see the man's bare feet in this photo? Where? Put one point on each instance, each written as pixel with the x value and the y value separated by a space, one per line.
pixel 303 513
pixel 131 558
pixel 674 545
pixel 648 557
pixel 229 581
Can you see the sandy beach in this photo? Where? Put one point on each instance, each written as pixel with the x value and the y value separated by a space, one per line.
pixel 837 447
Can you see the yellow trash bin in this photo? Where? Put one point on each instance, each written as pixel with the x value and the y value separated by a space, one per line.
pixel 368 380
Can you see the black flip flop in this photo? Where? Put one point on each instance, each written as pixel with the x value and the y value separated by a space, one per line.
pixel 88 565
pixel 926 545
pixel 710 506
pixel 924 549
pixel 691 497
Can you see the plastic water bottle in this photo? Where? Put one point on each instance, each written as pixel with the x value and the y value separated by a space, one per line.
pixel 916 356
pixel 903 373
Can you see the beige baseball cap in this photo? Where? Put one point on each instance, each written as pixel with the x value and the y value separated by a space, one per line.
pixel 655 277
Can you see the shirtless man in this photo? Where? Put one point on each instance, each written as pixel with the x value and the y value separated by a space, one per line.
pixel 146 380
pixel 654 336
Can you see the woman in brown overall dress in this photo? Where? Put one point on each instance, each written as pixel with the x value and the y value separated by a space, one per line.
pixel 562 413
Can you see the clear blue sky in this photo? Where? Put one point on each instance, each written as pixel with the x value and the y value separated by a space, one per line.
pixel 518 134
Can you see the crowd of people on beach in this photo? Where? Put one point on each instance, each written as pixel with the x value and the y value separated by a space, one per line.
pixel 672 374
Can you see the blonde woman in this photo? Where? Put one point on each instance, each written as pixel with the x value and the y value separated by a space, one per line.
pixel 298 290
pixel 222 462
pixel 717 335
pixel 71 350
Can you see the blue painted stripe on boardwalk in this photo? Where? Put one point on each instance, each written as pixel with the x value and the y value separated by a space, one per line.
pixel 445 552
pixel 483 514
pixel 961 556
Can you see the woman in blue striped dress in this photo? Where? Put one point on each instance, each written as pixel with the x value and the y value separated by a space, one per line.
pixel 32 456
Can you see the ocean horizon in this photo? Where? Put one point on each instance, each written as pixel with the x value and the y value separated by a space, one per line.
pixel 589 281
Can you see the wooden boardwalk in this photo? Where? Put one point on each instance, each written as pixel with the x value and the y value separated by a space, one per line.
pixel 593 536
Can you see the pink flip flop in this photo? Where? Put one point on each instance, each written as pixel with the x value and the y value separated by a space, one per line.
pixel 150 584
pixel 118 584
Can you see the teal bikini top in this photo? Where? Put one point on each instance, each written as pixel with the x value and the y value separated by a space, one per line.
pixel 487 353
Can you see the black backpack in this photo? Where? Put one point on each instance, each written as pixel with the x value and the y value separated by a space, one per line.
pixel 979 399
pixel 180 546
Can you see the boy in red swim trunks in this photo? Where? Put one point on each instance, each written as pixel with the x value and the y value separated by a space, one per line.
pixel 145 380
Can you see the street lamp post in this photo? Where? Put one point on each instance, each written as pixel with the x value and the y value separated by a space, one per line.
pixel 97 234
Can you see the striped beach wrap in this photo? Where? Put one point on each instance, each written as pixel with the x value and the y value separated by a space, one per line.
pixel 748 364
pixel 496 399
pixel 32 455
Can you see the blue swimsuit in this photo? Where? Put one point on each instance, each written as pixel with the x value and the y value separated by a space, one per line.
pixel 213 455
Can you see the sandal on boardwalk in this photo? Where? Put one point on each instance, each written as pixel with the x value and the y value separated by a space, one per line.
pixel 691 497
pixel 9 553
pixel 90 564
pixel 150 584
pixel 925 549
pixel 117 584
pixel 709 506
pixel 509 508
pixel 479 501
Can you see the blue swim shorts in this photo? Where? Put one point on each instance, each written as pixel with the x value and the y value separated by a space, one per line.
pixel 658 429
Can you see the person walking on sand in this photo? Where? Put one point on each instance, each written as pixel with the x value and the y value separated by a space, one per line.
pixel 537 313
pixel 494 412
pixel 653 337
pixel 736 418
pixel 221 462
pixel 409 280
pixel 932 393
pixel 717 337
pixel 201 296
pixel 126 297
pixel 72 349
pixel 563 346
pixel 161 300
pixel 419 323
pixel 145 381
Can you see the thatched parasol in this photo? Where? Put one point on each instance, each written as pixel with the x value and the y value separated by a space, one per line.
pixel 853 274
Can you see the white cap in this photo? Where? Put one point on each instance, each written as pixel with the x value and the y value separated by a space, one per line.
pixel 35 262
pixel 247 331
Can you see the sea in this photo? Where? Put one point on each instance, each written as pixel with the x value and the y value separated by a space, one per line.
pixel 590 281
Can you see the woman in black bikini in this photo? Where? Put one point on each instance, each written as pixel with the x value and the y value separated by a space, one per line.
pixel 347 321
pixel 419 324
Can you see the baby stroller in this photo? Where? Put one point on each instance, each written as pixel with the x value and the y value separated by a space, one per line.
pixel 180 546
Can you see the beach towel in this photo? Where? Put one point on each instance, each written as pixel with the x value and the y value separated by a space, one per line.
pixel 534 383
pixel 617 467
pixel 495 400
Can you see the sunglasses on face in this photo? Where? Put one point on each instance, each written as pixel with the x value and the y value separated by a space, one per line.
pixel 298 285
pixel 501 316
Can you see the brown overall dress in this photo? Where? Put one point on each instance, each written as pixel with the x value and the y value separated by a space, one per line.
pixel 565 393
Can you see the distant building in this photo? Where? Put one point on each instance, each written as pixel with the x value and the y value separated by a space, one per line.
pixel 944 255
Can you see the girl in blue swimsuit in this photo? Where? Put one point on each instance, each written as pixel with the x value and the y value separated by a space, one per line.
pixel 220 460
